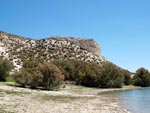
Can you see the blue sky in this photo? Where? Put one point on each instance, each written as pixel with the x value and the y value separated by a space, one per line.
pixel 120 27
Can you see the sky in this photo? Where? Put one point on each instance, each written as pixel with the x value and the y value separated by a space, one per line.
pixel 120 27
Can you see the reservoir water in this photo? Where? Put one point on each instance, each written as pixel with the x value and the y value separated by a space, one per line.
pixel 136 100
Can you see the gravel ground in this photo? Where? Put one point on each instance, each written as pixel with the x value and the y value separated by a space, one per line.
pixel 68 100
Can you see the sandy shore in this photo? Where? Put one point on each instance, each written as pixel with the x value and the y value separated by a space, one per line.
pixel 71 99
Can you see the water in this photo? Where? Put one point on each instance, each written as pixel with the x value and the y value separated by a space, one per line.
pixel 136 100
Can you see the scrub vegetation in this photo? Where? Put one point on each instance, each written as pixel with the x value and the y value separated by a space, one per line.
pixel 36 74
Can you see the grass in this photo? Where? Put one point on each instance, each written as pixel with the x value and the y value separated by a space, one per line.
pixel 78 89
pixel 66 98
pixel 74 88
pixel 13 92
pixel 58 98
pixel 10 79
pixel 10 83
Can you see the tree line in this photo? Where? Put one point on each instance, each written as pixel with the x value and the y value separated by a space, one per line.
pixel 37 74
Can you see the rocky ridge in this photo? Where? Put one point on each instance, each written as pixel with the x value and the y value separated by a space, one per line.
pixel 18 49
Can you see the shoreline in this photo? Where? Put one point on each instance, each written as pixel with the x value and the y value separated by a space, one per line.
pixel 124 88
pixel 130 87
pixel 71 99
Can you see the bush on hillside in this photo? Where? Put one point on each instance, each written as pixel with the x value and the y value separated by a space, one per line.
pixel 21 77
pixel 68 68
pixel 80 72
pixel 127 77
pixel 110 76
pixel 86 74
pixel 142 78
pixel 49 76
pixel 28 75
pixel 52 76
pixel 34 75
pixel 5 68
pixel 92 74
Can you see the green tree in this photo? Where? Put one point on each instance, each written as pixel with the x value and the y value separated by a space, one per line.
pixel 35 74
pixel 127 77
pixel 110 76
pixel 67 67
pixel 92 74
pixel 142 77
pixel 22 77
pixel 52 76
pixel 29 75
pixel 36 79
pixel 5 68
pixel 87 74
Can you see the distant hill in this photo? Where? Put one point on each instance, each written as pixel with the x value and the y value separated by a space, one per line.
pixel 18 49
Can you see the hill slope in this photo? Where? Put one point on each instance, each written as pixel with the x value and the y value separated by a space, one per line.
pixel 18 49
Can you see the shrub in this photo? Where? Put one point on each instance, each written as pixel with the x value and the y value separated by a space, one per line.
pixel 127 77
pixel 22 78
pixel 9 78
pixel 36 79
pixel 92 74
pixel 86 74
pixel 142 78
pixel 34 75
pixel 67 67
pixel 110 76
pixel 52 76
pixel 79 71
pixel 5 68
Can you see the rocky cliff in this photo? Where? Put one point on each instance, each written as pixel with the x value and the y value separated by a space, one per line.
pixel 18 49
pixel 87 44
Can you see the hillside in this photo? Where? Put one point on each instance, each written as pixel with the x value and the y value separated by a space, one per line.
pixel 18 49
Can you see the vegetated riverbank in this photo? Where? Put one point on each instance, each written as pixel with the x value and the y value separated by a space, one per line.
pixel 71 99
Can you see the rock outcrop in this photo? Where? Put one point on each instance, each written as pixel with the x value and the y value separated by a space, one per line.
pixel 18 49
pixel 87 44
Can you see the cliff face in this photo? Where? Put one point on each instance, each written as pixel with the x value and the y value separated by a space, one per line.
pixel 18 49
pixel 87 44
